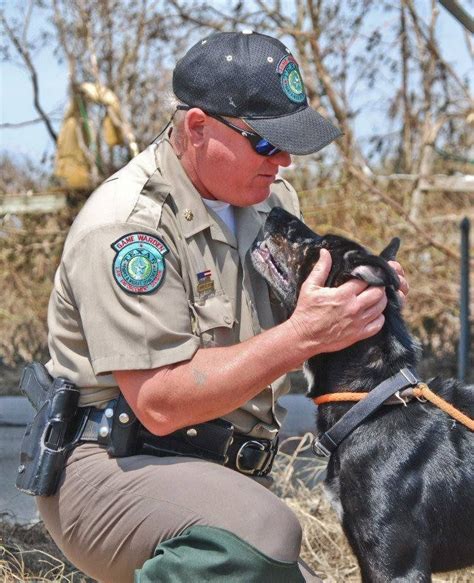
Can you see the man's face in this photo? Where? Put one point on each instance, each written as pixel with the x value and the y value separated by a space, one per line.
pixel 230 170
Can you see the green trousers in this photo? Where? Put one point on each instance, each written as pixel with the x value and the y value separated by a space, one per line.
pixel 204 553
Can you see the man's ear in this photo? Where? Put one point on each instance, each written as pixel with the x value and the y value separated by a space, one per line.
pixel 391 250
pixel 194 126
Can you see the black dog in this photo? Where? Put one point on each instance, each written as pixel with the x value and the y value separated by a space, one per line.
pixel 403 480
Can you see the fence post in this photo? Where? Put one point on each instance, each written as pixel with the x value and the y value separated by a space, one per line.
pixel 464 336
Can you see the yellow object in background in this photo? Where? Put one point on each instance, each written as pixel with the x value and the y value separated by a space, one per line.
pixel 71 163
pixel 76 162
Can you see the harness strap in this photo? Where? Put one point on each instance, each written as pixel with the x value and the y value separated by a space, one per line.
pixel 329 441
pixel 420 391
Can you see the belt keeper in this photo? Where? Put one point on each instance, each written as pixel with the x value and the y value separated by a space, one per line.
pixel 105 427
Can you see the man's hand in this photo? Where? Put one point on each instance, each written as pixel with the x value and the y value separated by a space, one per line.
pixel 404 287
pixel 331 319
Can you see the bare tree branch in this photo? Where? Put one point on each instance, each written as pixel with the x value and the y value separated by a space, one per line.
pixel 25 54
pixel 22 124
pixel 434 49
pixel 406 142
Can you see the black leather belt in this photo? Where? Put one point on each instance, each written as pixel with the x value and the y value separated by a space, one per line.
pixel 214 440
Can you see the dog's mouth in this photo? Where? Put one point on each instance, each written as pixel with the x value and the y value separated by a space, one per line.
pixel 271 263
pixel 278 271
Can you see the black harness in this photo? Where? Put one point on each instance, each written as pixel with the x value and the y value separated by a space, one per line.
pixel 326 444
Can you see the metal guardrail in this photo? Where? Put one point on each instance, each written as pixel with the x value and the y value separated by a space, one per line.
pixel 31 204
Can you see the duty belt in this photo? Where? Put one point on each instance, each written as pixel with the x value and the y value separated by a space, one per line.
pixel 214 440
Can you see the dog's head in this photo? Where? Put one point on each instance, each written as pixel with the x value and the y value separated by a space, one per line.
pixel 288 250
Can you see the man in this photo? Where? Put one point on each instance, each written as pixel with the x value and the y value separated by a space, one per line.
pixel 155 297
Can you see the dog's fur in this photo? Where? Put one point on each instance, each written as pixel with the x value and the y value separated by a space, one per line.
pixel 403 481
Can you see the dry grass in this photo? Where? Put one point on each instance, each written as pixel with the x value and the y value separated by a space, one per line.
pixel 27 553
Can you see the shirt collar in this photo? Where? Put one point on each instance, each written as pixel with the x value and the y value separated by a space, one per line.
pixel 192 214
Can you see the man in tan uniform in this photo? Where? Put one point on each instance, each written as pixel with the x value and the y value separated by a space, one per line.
pixel 155 298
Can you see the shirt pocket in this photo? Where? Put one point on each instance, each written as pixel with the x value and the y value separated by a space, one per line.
pixel 215 321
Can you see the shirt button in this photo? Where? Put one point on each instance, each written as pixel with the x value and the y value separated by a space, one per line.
pixel 227 319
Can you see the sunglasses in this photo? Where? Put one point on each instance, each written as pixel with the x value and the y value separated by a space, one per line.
pixel 259 144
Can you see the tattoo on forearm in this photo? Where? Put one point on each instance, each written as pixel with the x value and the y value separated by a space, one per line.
pixel 199 376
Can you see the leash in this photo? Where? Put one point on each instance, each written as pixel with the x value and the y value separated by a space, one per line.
pixel 397 389
pixel 424 391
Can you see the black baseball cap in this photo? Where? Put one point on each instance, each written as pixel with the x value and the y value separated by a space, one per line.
pixel 253 76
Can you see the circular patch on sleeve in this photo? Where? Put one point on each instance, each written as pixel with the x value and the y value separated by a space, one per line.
pixel 139 263
pixel 290 78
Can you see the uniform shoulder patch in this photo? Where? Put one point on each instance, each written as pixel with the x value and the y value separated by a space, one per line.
pixel 139 263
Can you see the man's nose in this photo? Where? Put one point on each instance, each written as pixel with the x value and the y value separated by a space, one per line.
pixel 281 159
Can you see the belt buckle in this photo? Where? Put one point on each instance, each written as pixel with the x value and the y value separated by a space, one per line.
pixel 259 445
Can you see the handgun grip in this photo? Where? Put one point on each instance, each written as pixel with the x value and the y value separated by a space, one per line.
pixel 35 383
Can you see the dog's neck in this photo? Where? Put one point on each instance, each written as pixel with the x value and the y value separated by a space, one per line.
pixel 364 365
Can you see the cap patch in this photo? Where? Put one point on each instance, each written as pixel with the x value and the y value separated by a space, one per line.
pixel 139 264
pixel 290 78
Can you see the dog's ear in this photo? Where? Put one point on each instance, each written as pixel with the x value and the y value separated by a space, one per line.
pixel 391 250
pixel 375 271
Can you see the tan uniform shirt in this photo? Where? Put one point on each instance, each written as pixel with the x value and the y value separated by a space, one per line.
pixel 209 294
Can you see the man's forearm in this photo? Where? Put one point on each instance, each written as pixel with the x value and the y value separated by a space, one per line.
pixel 214 382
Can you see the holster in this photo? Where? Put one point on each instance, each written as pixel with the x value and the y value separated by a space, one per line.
pixel 52 433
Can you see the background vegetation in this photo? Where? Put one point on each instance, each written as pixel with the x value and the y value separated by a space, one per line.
pixel 376 68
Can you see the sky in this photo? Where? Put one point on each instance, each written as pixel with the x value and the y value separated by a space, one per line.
pixel 33 141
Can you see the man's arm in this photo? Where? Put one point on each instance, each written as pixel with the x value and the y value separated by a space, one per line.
pixel 216 381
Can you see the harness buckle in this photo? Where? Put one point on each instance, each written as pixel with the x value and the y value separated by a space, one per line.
pixel 410 377
pixel 319 449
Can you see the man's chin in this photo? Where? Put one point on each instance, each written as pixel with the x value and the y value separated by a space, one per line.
pixel 260 194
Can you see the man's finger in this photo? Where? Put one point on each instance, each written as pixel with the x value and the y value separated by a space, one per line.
pixel 397 267
pixel 320 271
pixel 376 309
pixel 354 286
pixel 401 298
pixel 370 297
pixel 404 287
